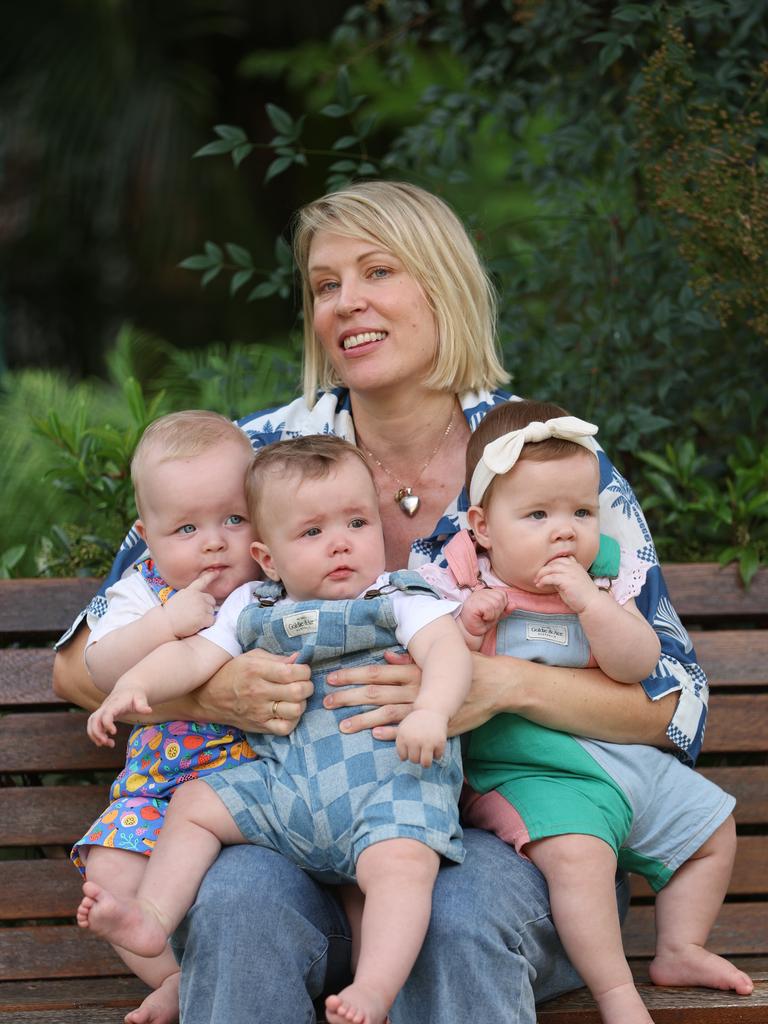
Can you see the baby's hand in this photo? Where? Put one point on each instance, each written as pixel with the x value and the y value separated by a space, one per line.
pixel 572 581
pixel 101 724
pixel 482 610
pixel 192 609
pixel 421 737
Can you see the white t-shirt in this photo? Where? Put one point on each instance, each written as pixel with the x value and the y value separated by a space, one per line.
pixel 128 600
pixel 412 612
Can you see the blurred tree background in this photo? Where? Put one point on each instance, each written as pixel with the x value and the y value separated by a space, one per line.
pixel 610 158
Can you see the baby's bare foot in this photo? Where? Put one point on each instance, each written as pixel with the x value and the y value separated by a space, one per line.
pixel 622 1005
pixel 356 1004
pixel 160 1006
pixel 694 965
pixel 122 921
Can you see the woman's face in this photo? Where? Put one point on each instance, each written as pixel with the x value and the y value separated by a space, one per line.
pixel 370 315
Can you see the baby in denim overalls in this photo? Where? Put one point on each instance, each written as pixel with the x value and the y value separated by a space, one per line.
pixel 199 539
pixel 344 807
pixel 575 806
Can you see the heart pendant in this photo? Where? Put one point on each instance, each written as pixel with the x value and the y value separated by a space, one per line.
pixel 408 501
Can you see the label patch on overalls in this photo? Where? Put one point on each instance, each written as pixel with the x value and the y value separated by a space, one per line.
pixel 301 623
pixel 551 634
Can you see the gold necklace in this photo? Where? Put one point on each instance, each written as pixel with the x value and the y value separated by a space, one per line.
pixel 404 496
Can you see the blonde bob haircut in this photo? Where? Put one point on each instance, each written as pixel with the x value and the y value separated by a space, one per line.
pixel 428 238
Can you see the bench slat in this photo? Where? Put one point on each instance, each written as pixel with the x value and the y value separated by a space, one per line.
pixel 733 723
pixel 55 741
pixel 733 657
pixel 40 607
pixel 706 589
pixel 48 815
pixel 55 951
pixel 38 888
pixel 740 929
pixel 749 784
pixel 749 871
pixel 71 994
pixel 25 676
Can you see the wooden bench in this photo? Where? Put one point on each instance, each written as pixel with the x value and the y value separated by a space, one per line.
pixel 52 972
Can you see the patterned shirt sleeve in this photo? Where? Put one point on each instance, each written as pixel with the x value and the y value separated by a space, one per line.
pixel 677 669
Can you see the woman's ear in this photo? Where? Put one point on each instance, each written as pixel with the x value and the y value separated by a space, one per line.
pixel 478 524
pixel 260 553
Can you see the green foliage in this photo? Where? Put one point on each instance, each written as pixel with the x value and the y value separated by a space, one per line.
pixel 611 161
pixel 696 506
pixel 75 442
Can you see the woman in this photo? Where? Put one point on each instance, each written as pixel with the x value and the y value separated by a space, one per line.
pixel 399 321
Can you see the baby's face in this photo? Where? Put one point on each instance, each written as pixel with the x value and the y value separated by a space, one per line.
pixel 322 537
pixel 540 511
pixel 195 518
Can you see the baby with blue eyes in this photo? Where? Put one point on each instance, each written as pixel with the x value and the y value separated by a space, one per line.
pixel 188 473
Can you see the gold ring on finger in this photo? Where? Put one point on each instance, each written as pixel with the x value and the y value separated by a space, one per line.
pixel 274 709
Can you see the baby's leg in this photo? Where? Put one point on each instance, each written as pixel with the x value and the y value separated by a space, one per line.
pixel 397 877
pixel 123 871
pixel 580 872
pixel 353 902
pixel 196 826
pixel 686 909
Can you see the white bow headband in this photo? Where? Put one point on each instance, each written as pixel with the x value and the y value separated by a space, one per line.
pixel 499 456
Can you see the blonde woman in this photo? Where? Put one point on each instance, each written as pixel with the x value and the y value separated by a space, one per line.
pixel 400 341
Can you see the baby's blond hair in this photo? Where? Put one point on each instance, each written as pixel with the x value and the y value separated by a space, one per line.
pixel 181 435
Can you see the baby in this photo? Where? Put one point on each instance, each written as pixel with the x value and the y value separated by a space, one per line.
pixel 189 480
pixel 576 806
pixel 344 807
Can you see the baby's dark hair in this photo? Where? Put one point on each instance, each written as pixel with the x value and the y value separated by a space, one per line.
pixel 515 415
pixel 312 457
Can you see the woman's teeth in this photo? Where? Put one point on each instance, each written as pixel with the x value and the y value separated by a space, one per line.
pixel 353 340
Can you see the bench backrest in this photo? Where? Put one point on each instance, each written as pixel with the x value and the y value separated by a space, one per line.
pixel 53 781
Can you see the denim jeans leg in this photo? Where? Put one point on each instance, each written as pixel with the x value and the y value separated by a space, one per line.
pixel 491 952
pixel 262 941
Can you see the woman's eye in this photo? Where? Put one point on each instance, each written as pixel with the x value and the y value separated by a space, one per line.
pixel 323 287
pixel 187 528
pixel 235 520
pixel 380 272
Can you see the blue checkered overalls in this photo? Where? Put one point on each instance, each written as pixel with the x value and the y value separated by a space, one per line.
pixel 318 796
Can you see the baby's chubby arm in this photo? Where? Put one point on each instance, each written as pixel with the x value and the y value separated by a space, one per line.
pixel 170 671
pixel 479 613
pixel 622 641
pixel 446 675
pixel 186 613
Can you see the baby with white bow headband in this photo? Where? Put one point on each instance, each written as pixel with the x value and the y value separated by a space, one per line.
pixel 577 807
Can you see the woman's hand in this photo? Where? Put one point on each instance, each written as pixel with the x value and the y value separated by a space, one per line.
pixel 257 692
pixel 392 688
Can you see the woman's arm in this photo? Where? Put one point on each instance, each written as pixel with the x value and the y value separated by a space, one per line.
pixel 242 693
pixel 580 701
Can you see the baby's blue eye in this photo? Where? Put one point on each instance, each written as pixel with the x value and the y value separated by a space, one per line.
pixel 539 514
pixel 187 528
pixel 357 523
pixel 582 513
pixel 235 520
pixel 313 531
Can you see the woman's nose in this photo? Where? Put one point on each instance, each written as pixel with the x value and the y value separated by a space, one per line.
pixel 349 298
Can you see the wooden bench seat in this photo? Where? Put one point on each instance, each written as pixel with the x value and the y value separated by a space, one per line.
pixel 53 782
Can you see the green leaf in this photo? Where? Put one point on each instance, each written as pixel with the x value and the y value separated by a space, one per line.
pixel 214 251
pixel 209 275
pixel 334 110
pixel 197 262
pixel 241 152
pixel 345 142
pixel 239 255
pixel 263 290
pixel 215 148
pixel 231 132
pixel 281 120
pixel 277 167
pixel 239 279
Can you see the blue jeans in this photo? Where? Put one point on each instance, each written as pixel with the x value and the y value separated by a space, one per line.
pixel 263 941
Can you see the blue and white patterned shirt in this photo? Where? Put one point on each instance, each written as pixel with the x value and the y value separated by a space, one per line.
pixel 620 517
